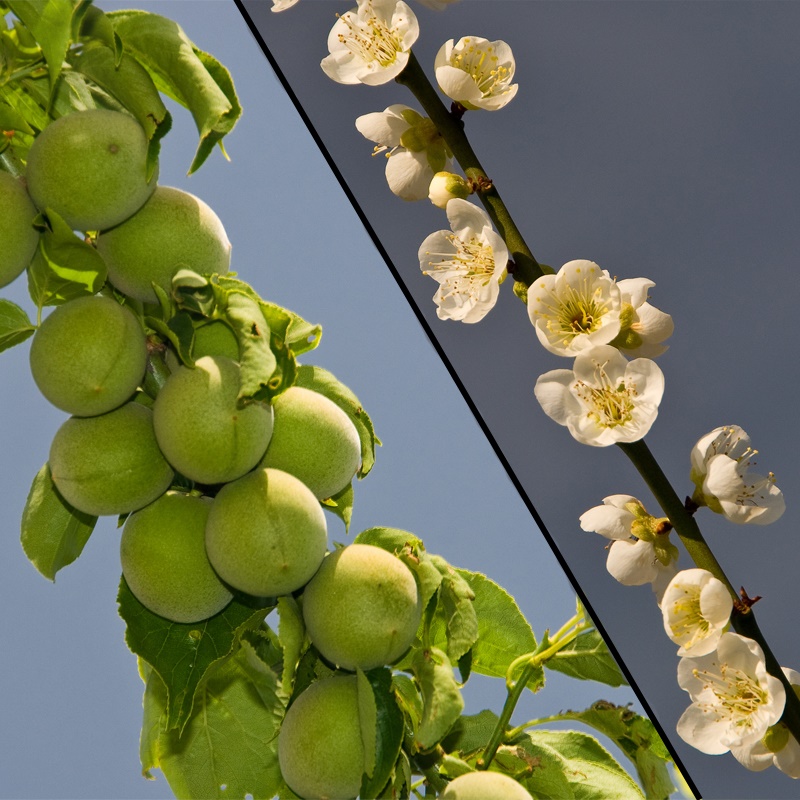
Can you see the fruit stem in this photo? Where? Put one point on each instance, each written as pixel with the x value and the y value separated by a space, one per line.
pixel 565 635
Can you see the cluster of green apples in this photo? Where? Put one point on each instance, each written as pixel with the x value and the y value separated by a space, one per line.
pixel 253 522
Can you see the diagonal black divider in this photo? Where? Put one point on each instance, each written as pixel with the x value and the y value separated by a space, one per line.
pixel 242 6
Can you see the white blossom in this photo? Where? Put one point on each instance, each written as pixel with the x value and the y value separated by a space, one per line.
pixel 370 44
pixel 604 399
pixel 414 149
pixel 696 608
pixel 734 700
pixel 641 552
pixel 468 262
pixel 282 5
pixel 721 463
pixel 777 746
pixel 576 309
pixel 643 327
pixel 476 73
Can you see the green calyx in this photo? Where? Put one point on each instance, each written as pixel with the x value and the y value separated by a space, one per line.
pixel 420 136
pixel 627 338
pixel 646 526
pixel 776 737
pixel 654 530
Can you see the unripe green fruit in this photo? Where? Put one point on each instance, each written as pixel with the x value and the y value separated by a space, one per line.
pixel 17 233
pixel 215 339
pixel 164 559
pixel 266 533
pixel 173 230
pixel 200 427
pixel 314 440
pixel 90 168
pixel 484 786
pixel 109 464
pixel 362 608
pixel 320 750
pixel 89 356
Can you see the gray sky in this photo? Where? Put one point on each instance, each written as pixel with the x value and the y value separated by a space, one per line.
pixel 72 699
pixel 659 140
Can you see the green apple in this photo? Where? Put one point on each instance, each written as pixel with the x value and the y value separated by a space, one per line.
pixel 173 230
pixel 484 786
pixel 266 533
pixel 89 356
pixel 90 167
pixel 202 430
pixel 109 464
pixel 164 559
pixel 362 608
pixel 17 233
pixel 320 751
pixel 314 440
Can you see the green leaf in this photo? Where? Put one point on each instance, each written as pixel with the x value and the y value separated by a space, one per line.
pixel 226 123
pixel 442 702
pixel 71 93
pixel 392 539
pixel 256 358
pixel 11 119
pixel 381 728
pixel 192 78
pixel 322 381
pixel 183 653
pixel 503 632
pixel 128 82
pixel 229 747
pixel 53 532
pixel 456 598
pixel 408 699
pixel 15 327
pixel 300 336
pixel 587 658
pixel 153 704
pixel 580 761
pixel 341 504
pixel 95 27
pixel 50 21
pixel 179 331
pixel 637 737
pixel 25 106
pixel 292 635
pixel 64 267
pixel 367 722
pixel 471 733
pixel 290 334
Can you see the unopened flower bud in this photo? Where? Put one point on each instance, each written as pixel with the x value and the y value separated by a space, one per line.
pixel 446 186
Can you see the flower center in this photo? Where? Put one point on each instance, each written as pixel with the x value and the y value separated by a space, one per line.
pixel 576 310
pixel 473 259
pixel 737 695
pixel 687 623
pixel 370 38
pixel 609 405
pixel 482 64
